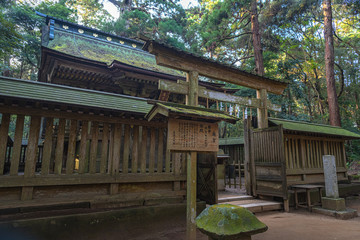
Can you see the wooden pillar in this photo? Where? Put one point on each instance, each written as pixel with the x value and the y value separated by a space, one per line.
pixel 247 172
pixel 192 98
pixel 192 78
pixel 191 196
pixel 262 111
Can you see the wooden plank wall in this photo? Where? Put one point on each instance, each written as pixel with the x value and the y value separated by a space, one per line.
pixel 303 156
pixel 267 158
pixel 110 151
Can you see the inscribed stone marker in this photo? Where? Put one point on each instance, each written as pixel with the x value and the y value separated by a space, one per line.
pixel 331 187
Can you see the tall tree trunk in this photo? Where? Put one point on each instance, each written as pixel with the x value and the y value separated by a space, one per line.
pixel 334 112
pixel 255 29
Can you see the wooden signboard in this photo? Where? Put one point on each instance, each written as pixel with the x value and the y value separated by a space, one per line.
pixel 184 135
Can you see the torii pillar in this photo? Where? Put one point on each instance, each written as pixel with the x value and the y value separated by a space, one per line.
pixel 262 111
pixel 192 78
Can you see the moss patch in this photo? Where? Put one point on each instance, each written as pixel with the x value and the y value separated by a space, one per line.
pixel 315 128
pixel 228 221
pixel 93 49
pixel 179 108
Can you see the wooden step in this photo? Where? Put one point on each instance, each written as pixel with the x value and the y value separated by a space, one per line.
pixel 234 198
pixel 256 205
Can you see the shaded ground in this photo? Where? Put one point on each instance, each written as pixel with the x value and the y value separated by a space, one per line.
pixel 300 224
pixel 296 225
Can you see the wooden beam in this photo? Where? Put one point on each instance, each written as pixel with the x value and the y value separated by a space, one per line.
pixel 79 179
pixel 176 59
pixel 182 88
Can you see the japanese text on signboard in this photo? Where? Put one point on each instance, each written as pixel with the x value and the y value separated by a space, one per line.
pixel 193 136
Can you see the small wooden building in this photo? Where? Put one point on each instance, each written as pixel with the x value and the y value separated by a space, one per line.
pixel 290 152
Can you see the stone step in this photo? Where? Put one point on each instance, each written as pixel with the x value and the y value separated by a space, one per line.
pixel 256 205
pixel 234 198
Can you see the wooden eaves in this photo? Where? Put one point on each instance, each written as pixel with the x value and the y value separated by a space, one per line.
pixel 174 110
pixel 180 60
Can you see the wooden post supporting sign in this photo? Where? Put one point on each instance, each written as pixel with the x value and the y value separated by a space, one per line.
pixel 192 78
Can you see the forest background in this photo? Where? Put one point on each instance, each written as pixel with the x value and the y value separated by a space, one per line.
pixel 290 32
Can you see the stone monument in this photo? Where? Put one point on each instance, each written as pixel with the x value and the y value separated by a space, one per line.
pixel 332 204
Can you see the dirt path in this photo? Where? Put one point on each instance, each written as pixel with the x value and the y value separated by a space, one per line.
pixel 300 225
pixel 296 225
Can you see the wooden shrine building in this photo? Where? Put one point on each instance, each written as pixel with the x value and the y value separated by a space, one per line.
pixel 85 127
pixel 87 111
pixel 290 152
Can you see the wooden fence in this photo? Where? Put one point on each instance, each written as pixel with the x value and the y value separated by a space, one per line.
pixel 83 149
pixel 280 160
pixel 303 156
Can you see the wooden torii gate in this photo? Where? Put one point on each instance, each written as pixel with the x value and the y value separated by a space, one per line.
pixel 195 66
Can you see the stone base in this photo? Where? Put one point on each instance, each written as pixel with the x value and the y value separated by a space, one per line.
pixel 343 215
pixel 336 204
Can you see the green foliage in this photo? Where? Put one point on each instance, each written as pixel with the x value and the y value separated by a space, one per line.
pixel 291 36
pixel 157 19
pixel 10 39
pixel 58 10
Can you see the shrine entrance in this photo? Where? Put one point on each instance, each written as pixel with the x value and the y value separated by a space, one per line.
pixel 194 66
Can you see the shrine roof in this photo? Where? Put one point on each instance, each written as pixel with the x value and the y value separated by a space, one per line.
pixel 314 128
pixel 80 41
pixel 167 109
pixel 231 141
pixel 53 93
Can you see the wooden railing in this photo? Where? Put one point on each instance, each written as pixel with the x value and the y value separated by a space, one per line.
pixel 66 148
pixel 303 156
pixel 99 147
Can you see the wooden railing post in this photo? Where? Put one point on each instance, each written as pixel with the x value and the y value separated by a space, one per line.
pixel 4 130
pixel 247 152
pixel 30 160
pixel 14 167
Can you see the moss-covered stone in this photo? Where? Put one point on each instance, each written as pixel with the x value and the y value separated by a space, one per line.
pixel 226 221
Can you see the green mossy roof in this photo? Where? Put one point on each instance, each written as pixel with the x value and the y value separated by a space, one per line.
pixel 197 111
pixel 228 221
pixel 231 141
pixel 314 128
pixel 87 47
pixel 45 92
